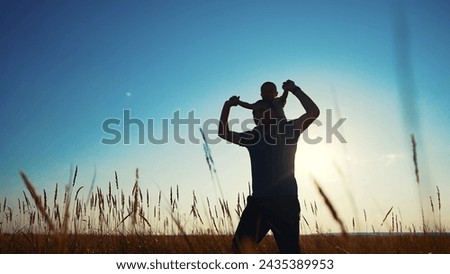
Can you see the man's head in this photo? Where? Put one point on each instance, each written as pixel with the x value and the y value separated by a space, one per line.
pixel 268 91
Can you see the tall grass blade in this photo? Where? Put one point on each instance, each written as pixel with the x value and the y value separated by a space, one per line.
pixel 37 201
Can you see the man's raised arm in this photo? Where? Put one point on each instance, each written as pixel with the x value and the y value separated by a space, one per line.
pixel 312 111
pixel 224 129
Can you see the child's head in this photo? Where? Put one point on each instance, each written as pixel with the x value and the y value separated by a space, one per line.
pixel 268 91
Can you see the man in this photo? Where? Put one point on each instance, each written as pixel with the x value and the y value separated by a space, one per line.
pixel 272 144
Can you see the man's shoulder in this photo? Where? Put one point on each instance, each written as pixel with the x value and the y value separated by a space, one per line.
pixel 286 124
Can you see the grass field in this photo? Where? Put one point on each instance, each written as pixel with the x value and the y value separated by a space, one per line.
pixel 112 222
pixel 220 244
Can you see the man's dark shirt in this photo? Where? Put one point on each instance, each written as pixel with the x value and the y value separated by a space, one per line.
pixel 272 156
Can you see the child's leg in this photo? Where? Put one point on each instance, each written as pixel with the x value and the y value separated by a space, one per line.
pixel 279 107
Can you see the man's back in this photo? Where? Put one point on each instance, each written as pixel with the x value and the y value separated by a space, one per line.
pixel 272 157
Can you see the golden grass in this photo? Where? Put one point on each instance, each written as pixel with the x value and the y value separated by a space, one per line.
pixel 106 223
pixel 220 244
pixel 111 222
pixel 332 209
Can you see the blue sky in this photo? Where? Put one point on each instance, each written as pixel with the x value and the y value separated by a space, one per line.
pixel 66 67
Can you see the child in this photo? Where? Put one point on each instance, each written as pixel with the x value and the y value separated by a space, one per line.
pixel 269 94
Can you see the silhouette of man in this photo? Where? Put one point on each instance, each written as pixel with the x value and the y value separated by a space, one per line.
pixel 272 144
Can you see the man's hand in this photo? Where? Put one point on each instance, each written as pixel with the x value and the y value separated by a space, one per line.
pixel 289 85
pixel 233 101
pixel 224 131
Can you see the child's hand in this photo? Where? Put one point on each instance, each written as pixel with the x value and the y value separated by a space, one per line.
pixel 289 85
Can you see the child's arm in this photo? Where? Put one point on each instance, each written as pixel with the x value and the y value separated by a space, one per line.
pixel 245 105
pixel 283 98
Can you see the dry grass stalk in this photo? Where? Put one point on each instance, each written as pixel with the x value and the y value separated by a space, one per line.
pixel 75 176
pixel 55 196
pixel 76 194
pixel 416 171
pixel 20 207
pixel 387 214
pixel 439 207
pixel 439 197
pixel 37 201
pixel 116 179
pixel 136 193
pixel 145 220
pixel 66 209
pixel 26 199
pixel 67 198
pixel 432 205
pixel 45 199
pixel 58 216
pixel 304 219
pixel 331 208
pixel 171 197
pixel 416 166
